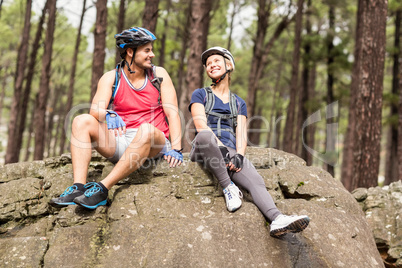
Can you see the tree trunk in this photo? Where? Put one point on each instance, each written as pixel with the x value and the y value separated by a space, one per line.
pixel 199 27
pixel 347 158
pixel 40 113
pixel 120 24
pixel 236 9
pixel 271 141
pixel 12 153
pixel 59 128
pixel 368 103
pixel 257 69
pixel 29 78
pixel 3 94
pixel 31 129
pixel 331 136
pixel 391 157
pixel 183 50
pixel 304 98
pixel 70 94
pixel 254 128
pixel 278 125
pixel 310 139
pixel 1 6
pixel 391 164
pixel 289 138
pixel 259 61
pixel 74 63
pixel 263 13
pixel 50 122
pixel 150 16
pixel 400 123
pixel 100 44
pixel 162 51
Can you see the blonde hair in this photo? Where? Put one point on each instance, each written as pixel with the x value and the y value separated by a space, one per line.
pixel 229 74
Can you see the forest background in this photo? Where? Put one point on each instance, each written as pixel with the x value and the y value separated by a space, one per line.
pixel 321 78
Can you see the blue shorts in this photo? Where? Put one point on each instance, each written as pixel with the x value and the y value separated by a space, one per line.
pixel 124 141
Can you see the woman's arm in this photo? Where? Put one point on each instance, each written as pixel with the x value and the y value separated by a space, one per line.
pixel 236 163
pixel 200 119
pixel 241 134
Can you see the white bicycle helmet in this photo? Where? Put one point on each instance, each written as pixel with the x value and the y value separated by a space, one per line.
pixel 217 51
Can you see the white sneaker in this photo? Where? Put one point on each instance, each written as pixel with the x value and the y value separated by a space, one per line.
pixel 284 224
pixel 232 197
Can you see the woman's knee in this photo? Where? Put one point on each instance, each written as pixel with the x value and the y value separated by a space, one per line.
pixel 205 137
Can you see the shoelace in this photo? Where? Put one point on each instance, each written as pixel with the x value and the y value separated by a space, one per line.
pixel 90 184
pixel 235 190
pixel 69 190
pixel 96 188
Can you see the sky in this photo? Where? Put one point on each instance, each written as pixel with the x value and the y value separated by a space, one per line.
pixel 72 10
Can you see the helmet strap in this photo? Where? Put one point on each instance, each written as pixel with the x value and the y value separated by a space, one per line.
pixel 132 60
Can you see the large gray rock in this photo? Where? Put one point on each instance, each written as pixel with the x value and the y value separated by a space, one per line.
pixel 176 217
pixel 383 209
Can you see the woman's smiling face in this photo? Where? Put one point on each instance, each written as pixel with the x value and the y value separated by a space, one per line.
pixel 215 66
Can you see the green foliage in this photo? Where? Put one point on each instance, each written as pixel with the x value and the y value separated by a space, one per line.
pixel 394 5
pixel 11 23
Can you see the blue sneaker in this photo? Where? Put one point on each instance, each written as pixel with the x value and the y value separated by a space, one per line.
pixel 93 197
pixel 66 198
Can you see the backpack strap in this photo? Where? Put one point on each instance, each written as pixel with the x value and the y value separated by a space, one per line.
pixel 115 84
pixel 155 80
pixel 234 109
pixel 209 101
pixel 209 104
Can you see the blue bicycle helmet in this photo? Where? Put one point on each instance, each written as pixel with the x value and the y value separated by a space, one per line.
pixel 133 37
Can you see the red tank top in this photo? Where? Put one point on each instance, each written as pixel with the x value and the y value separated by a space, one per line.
pixel 138 106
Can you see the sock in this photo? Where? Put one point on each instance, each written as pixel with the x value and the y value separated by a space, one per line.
pixel 104 189
pixel 80 186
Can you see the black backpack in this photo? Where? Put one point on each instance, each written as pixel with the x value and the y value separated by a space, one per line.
pixel 155 80
pixel 209 104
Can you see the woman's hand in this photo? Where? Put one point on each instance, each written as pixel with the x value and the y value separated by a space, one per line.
pixel 236 162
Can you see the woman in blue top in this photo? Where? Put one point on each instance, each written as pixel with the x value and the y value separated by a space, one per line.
pixel 221 145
